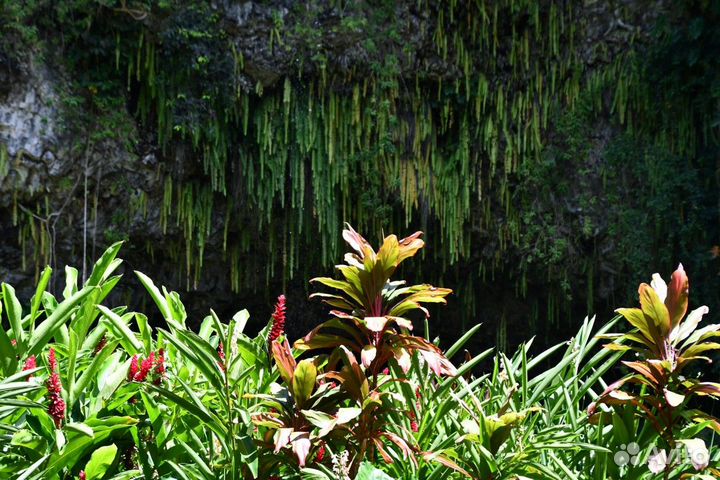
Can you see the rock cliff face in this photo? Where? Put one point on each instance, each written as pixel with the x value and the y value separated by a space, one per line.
pixel 163 145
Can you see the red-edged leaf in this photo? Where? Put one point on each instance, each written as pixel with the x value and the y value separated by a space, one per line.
pixel 421 294
pixel 282 438
pixel 698 348
pixel 637 319
pixel 673 399
pixel 357 242
pixel 303 382
pixel 387 256
pixel 320 340
pixel 655 309
pixel 301 447
pixel 402 444
pixel 605 395
pixel 375 324
pixel 381 448
pixel 648 371
pixel 706 388
pixel 410 245
pixel 333 300
pixel 438 363
pixel 677 296
pixel 284 360
pixel 368 355
pixel 702 417
pixel 441 459
pixel 343 286
pixel 403 358
pixel 346 414
pixel 352 376
pixel 618 397
pixel 401 322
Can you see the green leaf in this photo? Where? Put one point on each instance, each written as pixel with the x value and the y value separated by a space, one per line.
pixel 90 372
pixel 655 309
pixel 100 461
pixel 43 333
pixel 196 408
pixel 303 381
pixel 200 353
pixel 71 275
pixel 31 469
pixel 37 298
pixel 105 265
pixel 368 472
pixel 319 419
pixel 157 297
pixel 81 428
pixel 462 341
pixel 119 326
pixel 13 311
pixel 637 319
pixel 8 359
pixel 199 461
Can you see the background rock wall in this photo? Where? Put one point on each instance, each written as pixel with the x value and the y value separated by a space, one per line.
pixel 129 120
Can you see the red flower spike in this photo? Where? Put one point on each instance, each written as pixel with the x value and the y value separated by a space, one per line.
pixel 320 453
pixel 30 363
pixel 278 317
pixel 145 368
pixel 134 368
pixel 82 475
pixel 160 367
pixel 413 422
pixel 56 408
pixel 52 361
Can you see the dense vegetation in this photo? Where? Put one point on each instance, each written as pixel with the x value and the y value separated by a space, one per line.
pixel 555 153
pixel 93 392
pixel 274 122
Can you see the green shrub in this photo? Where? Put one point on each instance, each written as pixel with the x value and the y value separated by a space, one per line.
pixel 88 391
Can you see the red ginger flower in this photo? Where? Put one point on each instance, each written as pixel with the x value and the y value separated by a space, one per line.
pixel 82 475
pixel 56 409
pixel 52 361
pixel 413 422
pixel 30 363
pixel 145 368
pixel 160 367
pixel 134 368
pixel 320 453
pixel 278 317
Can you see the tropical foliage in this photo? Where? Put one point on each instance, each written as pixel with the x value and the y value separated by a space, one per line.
pixel 96 392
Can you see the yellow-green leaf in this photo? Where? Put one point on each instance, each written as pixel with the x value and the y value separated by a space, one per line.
pixel 303 381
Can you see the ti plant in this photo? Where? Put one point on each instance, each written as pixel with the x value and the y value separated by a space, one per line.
pixel 666 342
pixel 370 324
pixel 303 412
pixel 371 310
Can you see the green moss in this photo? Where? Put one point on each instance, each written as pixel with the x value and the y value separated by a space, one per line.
pixel 463 139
